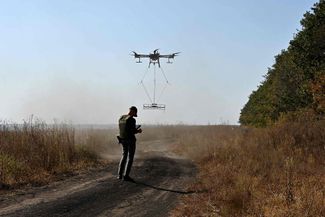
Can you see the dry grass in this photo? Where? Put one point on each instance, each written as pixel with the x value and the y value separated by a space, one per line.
pixel 101 142
pixel 35 153
pixel 278 171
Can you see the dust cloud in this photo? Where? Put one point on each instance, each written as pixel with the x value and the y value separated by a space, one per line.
pixel 82 102
pixel 75 102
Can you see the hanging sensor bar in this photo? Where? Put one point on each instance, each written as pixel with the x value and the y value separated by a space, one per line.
pixel 154 106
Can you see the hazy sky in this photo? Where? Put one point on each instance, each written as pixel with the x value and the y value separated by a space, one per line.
pixel 70 60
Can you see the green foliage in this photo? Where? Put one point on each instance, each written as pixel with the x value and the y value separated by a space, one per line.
pixel 296 82
pixel 10 168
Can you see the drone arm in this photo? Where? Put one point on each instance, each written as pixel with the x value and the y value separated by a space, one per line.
pixel 169 56
pixel 136 55
pixel 166 56
pixel 142 56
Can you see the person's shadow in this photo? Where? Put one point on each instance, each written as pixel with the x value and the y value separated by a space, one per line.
pixel 165 189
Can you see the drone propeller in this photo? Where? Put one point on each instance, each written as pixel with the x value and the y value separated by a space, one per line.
pixel 133 53
pixel 171 56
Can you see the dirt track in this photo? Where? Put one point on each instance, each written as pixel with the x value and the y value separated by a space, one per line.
pixel 160 178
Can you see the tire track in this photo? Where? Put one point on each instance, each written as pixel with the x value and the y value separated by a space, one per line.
pixel 159 181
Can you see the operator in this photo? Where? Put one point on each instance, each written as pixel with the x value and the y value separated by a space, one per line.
pixel 128 129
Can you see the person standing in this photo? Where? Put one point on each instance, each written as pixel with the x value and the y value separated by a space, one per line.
pixel 128 129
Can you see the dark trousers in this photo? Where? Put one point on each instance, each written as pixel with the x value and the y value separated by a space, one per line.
pixel 128 147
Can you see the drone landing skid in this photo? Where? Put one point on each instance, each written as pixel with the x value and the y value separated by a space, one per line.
pixel 154 106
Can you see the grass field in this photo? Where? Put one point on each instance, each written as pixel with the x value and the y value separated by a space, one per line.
pixel 275 171
pixel 34 153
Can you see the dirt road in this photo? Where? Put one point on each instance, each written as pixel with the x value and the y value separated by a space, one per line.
pixel 160 178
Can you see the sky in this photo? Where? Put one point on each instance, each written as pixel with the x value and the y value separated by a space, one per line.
pixel 70 60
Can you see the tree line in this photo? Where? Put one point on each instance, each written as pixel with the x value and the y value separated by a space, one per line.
pixel 294 87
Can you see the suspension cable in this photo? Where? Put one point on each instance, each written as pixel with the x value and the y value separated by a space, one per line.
pixel 165 86
pixel 145 89
pixel 154 84
pixel 162 91
pixel 144 75
pixel 164 75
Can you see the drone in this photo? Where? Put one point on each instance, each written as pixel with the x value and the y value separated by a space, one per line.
pixel 154 57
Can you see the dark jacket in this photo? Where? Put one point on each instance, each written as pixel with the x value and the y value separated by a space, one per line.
pixel 127 127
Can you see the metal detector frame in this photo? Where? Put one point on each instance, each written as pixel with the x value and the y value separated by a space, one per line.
pixel 154 106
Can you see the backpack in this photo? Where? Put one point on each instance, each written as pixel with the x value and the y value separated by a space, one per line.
pixel 122 126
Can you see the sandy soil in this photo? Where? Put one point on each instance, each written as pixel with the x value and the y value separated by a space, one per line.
pixel 161 177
